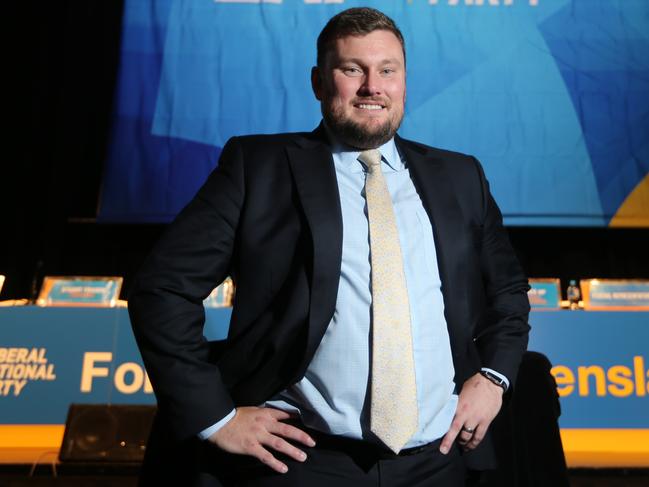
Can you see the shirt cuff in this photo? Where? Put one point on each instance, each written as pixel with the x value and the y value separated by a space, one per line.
pixel 207 432
pixel 499 375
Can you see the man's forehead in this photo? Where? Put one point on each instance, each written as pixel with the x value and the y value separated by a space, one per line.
pixel 379 44
pixel 384 34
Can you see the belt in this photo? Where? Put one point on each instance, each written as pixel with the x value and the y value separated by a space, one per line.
pixel 356 447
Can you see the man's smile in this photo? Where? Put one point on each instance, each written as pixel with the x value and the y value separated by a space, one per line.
pixel 367 106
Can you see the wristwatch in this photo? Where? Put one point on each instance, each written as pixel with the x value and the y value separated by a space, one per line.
pixel 495 379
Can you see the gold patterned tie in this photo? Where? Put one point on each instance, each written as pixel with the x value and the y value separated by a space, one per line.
pixel 394 416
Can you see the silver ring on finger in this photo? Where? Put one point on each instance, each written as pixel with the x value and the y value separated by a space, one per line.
pixel 468 430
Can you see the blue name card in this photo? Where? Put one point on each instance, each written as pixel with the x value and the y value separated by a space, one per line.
pixel 607 294
pixel 79 291
pixel 544 293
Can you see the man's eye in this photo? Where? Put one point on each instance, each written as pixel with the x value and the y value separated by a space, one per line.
pixel 352 71
pixel 387 71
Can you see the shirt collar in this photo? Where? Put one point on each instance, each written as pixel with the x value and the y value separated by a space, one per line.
pixel 391 160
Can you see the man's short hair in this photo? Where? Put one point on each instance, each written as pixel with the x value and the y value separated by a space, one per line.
pixel 355 22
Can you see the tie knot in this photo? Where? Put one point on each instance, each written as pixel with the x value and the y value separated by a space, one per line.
pixel 372 158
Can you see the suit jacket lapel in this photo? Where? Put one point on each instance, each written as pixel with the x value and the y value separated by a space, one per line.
pixel 315 178
pixel 436 190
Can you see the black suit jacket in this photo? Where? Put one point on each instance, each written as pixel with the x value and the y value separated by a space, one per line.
pixel 270 216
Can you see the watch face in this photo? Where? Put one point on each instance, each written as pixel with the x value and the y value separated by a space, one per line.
pixel 494 378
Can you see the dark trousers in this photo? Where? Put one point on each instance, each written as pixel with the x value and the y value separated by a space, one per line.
pixel 347 463
pixel 333 462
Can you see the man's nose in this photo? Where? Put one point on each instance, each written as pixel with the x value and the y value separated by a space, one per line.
pixel 371 84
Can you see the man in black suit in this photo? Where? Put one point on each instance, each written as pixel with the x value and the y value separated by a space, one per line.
pixel 287 399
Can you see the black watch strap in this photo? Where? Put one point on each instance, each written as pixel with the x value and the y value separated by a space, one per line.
pixel 495 379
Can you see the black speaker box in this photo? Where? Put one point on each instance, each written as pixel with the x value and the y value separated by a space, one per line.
pixel 106 433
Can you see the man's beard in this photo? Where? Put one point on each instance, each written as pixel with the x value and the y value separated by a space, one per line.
pixel 355 134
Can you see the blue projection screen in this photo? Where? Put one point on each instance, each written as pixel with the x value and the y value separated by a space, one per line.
pixel 551 95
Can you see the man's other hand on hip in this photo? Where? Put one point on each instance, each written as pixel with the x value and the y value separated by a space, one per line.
pixel 256 431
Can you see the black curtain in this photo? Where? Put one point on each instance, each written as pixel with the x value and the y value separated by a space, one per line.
pixel 66 55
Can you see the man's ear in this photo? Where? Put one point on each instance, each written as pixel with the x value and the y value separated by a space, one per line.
pixel 316 83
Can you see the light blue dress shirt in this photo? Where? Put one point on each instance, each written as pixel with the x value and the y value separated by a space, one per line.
pixel 334 394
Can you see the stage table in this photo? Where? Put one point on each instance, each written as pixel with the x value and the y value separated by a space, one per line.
pixel 52 357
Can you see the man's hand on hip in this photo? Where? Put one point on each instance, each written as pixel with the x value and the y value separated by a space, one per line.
pixel 252 429
pixel 478 404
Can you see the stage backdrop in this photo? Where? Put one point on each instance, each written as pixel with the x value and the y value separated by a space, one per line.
pixel 551 95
